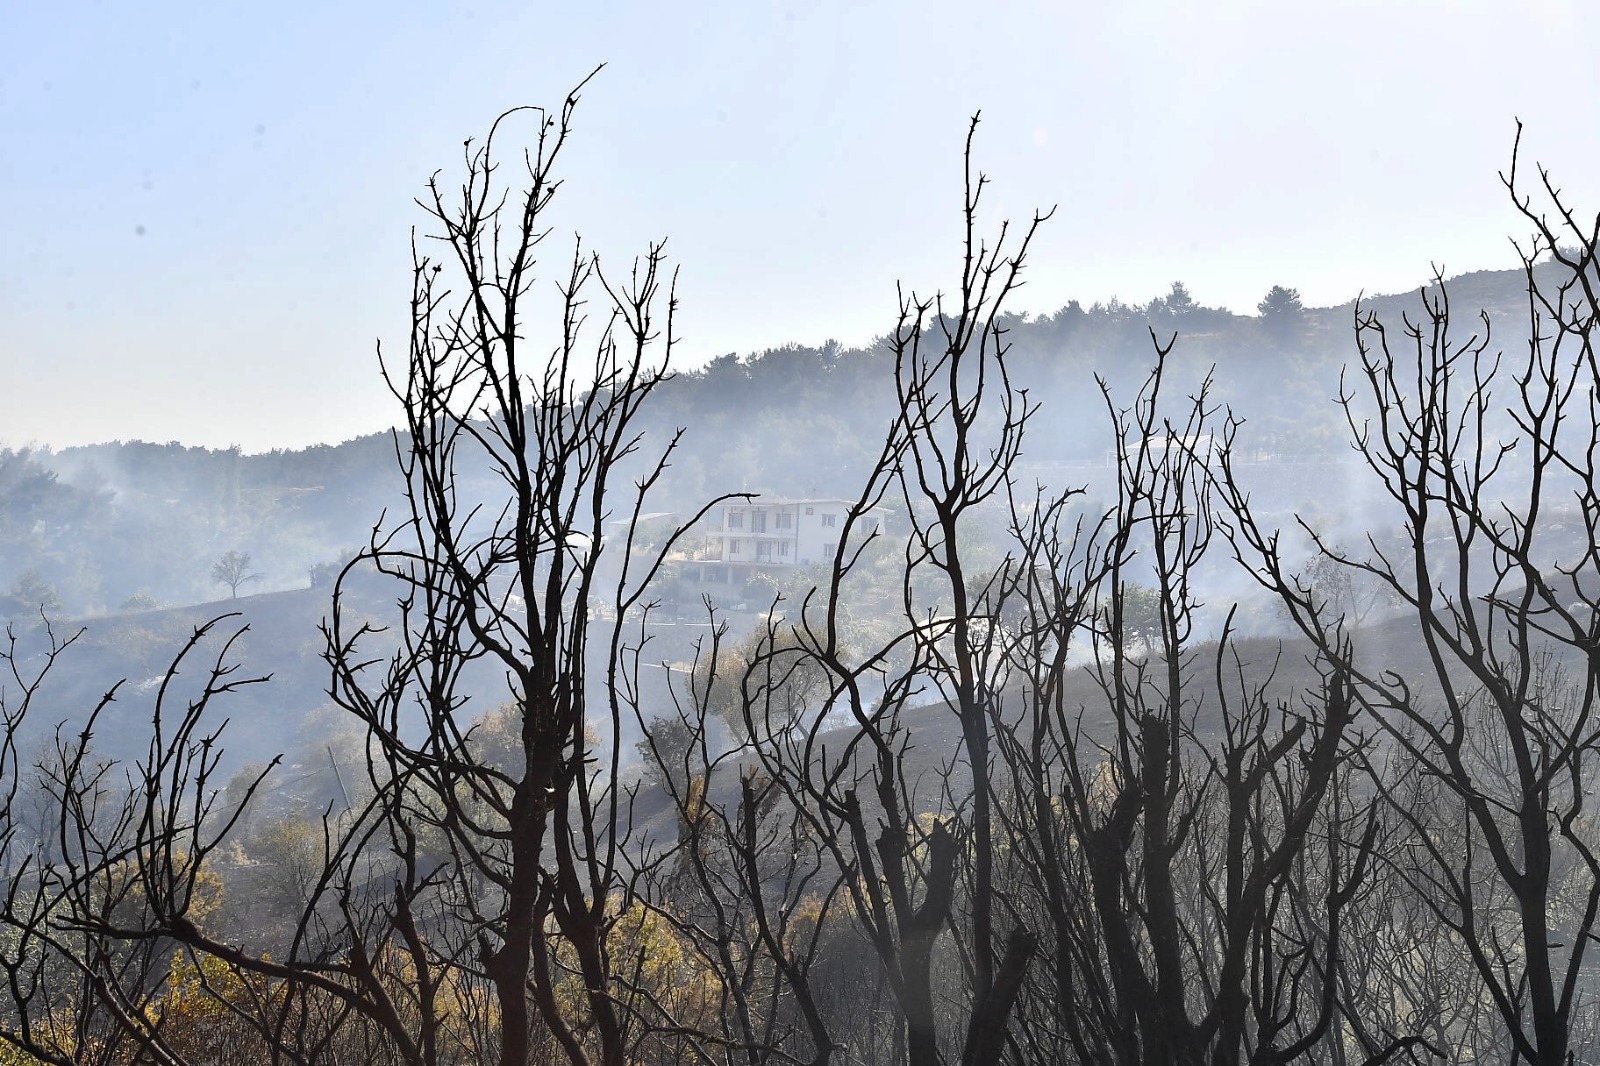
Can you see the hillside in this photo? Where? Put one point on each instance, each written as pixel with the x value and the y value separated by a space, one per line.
pixel 109 534
pixel 98 526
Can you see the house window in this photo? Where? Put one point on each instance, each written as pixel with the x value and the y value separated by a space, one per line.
pixel 735 519
pixel 733 547
pixel 783 549
pixel 828 550
pixel 829 519
pixel 784 519
pixel 764 551
pixel 758 521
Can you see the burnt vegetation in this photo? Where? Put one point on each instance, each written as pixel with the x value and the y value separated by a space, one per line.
pixel 1008 779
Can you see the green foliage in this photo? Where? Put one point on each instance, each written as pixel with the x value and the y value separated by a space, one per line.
pixel 139 602
pixel 496 739
pixel 1282 315
pixel 292 851
pixel 1279 302
pixel 1178 301
pixel 665 750
pixel 767 680
pixel 760 589
pixel 30 595
pixel 1141 617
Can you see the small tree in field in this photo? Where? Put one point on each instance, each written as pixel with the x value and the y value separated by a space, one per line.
pixel 233 570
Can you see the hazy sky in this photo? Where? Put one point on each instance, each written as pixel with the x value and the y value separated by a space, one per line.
pixel 205 207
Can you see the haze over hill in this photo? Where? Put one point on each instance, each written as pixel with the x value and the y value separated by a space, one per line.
pixel 1145 684
pixel 115 526
pixel 122 536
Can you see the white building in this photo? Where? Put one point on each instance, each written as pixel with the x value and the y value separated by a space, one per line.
pixel 744 536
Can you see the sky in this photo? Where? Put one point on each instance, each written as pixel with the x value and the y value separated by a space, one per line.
pixel 206 208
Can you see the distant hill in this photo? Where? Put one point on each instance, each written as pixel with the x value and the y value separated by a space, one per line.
pixel 123 535
pixel 120 523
